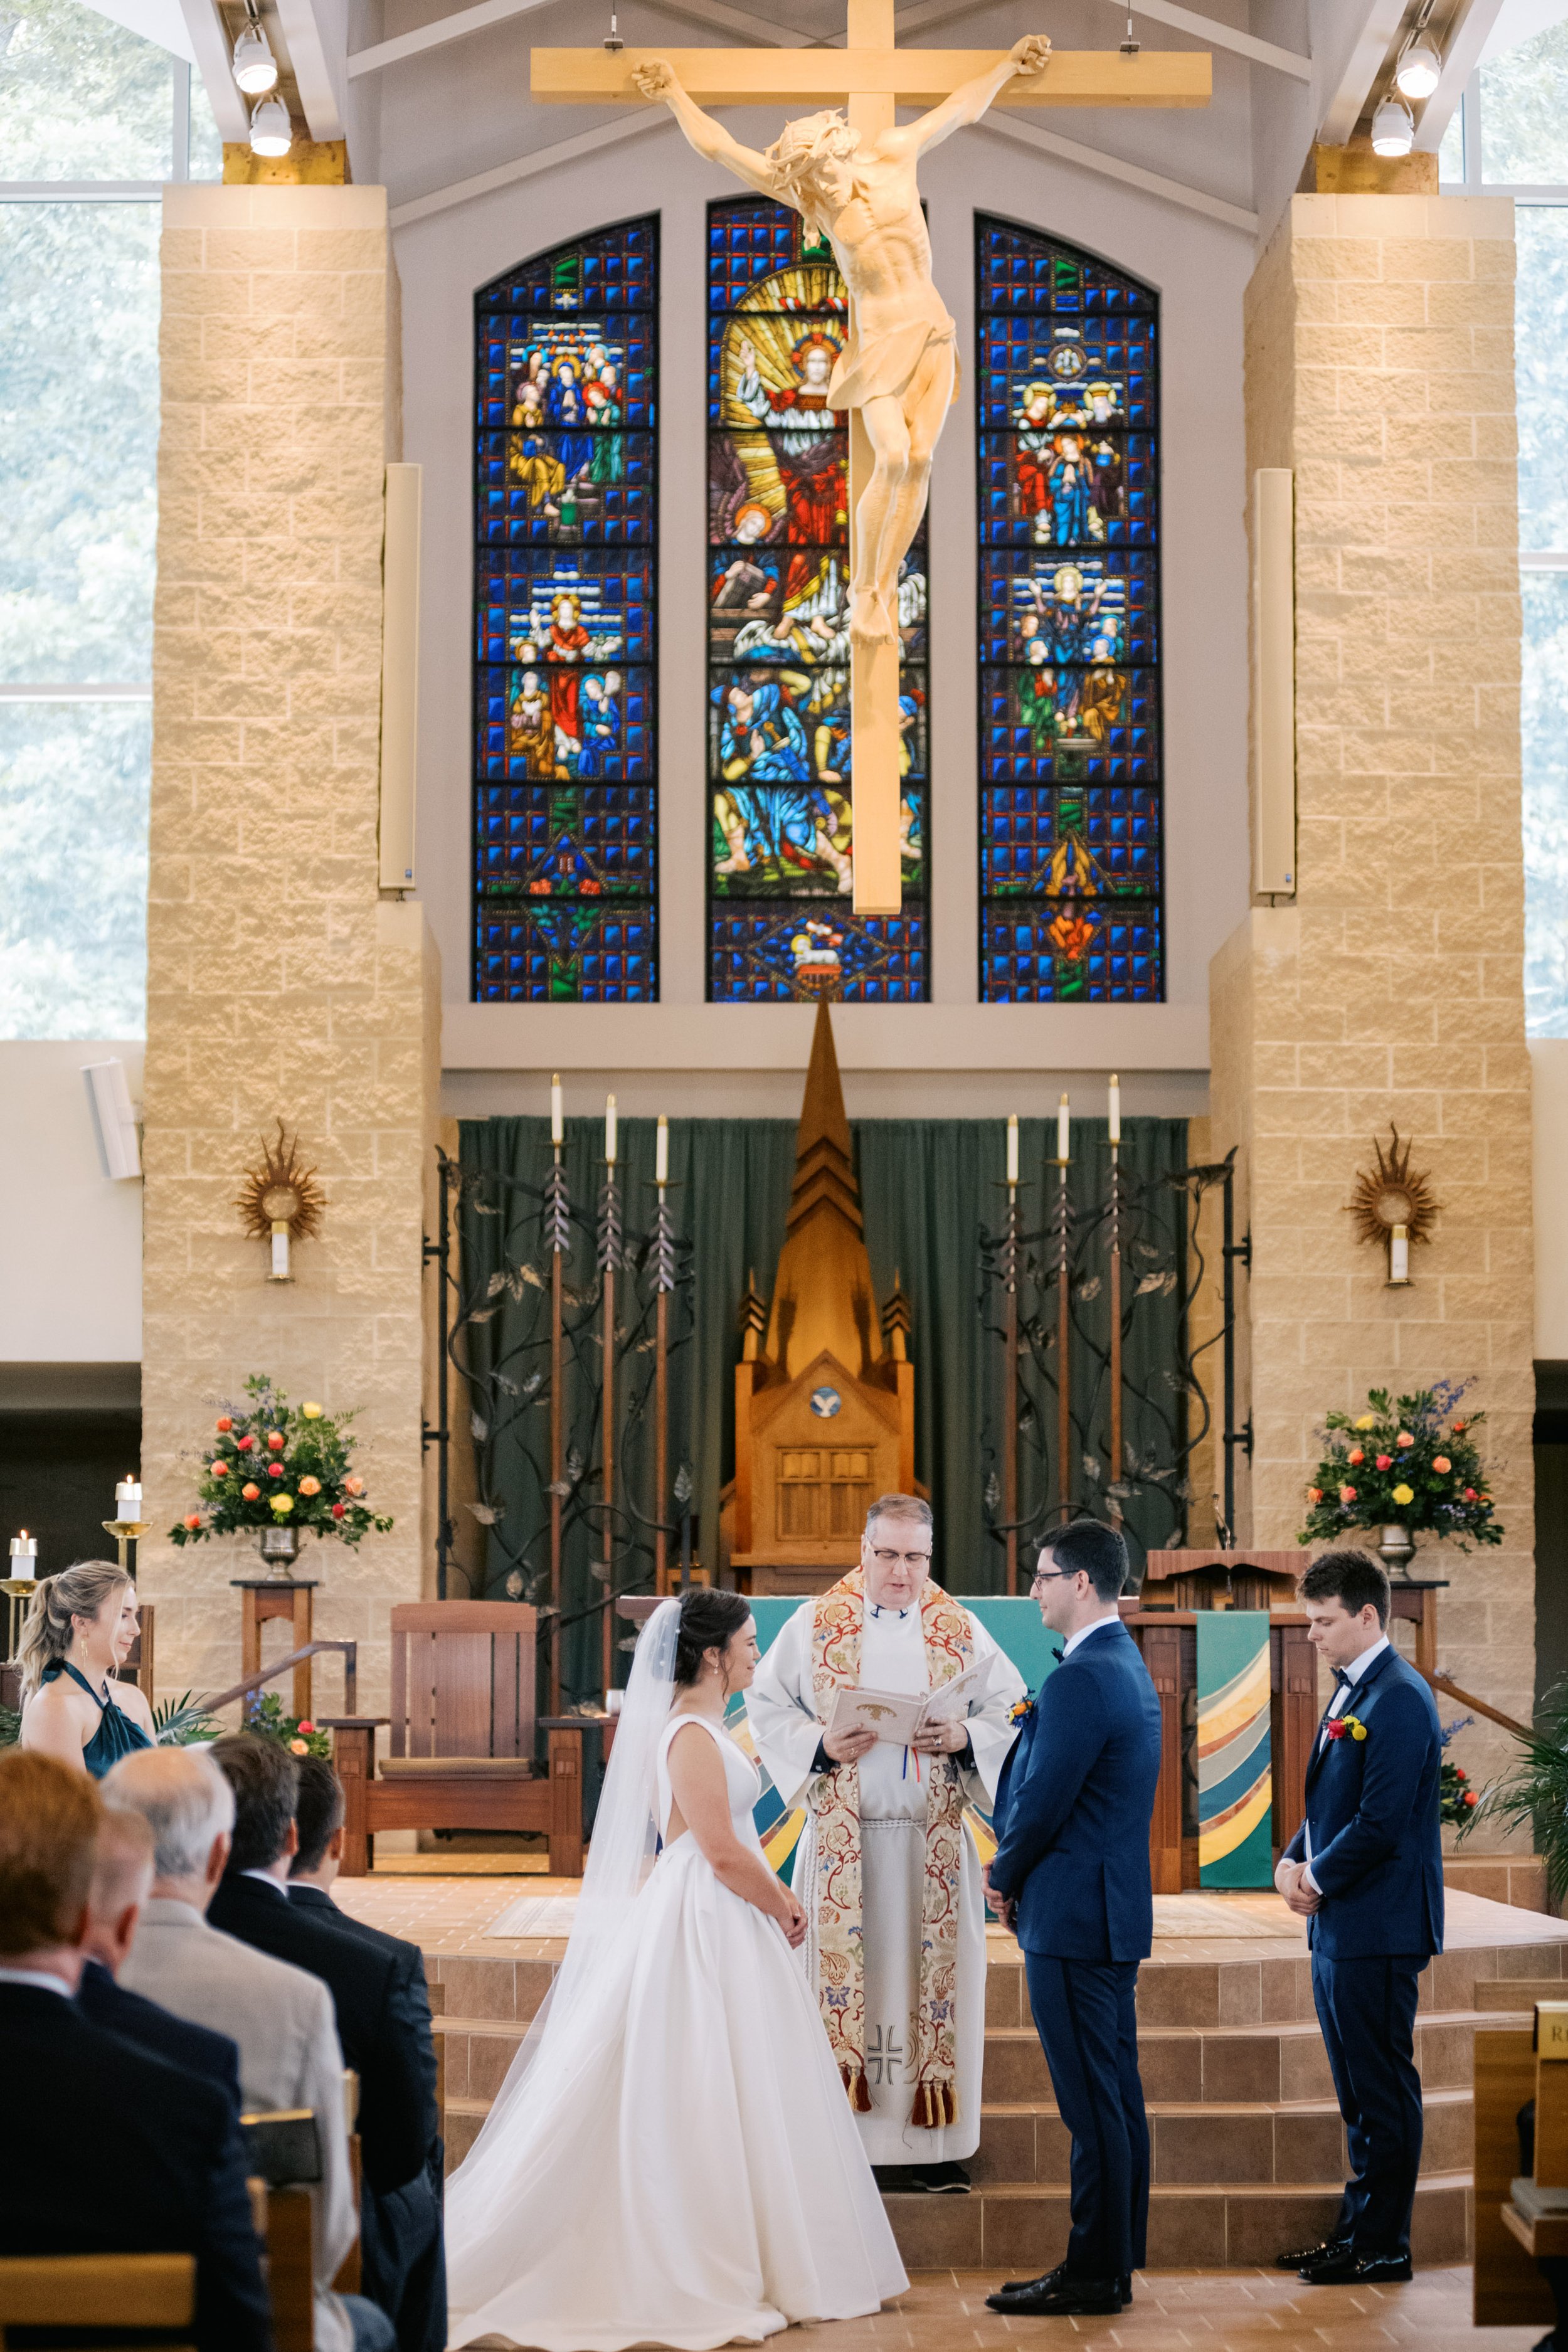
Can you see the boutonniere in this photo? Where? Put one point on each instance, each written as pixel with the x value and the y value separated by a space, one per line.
pixel 1346 1726
pixel 1021 1711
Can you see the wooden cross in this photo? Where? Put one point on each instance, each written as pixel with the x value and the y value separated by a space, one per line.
pixel 872 78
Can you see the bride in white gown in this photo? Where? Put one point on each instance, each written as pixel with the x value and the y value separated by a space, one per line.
pixel 672 2159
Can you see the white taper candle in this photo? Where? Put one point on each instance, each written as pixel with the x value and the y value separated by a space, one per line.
pixel 610 1129
pixel 557 1111
pixel 1115 1107
pixel 1013 1148
pixel 661 1153
pixel 1063 1128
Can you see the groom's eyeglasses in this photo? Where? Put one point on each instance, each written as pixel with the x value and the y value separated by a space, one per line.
pixel 1045 1575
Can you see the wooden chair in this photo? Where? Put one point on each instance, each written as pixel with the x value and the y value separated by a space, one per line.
pixel 461 1740
pixel 107 2291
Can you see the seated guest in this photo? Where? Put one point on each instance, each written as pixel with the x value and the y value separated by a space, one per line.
pixel 121 1882
pixel 113 2150
pixel 377 1986
pixel 80 1628
pixel 281 2018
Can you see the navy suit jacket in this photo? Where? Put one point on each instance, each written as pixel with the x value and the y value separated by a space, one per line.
pixel 1073 1807
pixel 1373 1808
pixel 138 2019
pixel 377 1984
pixel 126 2154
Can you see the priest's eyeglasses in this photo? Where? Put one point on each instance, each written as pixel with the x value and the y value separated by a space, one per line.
pixel 891 1560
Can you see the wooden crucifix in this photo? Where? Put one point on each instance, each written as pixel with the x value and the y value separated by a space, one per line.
pixel 853 182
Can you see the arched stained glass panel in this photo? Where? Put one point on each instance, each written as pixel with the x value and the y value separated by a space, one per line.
pixel 780 918
pixel 565 515
pixel 1071 769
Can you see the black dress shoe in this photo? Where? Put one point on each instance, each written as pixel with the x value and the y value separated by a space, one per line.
pixel 1351 2268
pixel 1013 2287
pixel 948 2179
pixel 1309 2255
pixel 1058 2297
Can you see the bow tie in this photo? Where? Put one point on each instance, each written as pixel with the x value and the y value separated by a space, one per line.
pixel 1057 1654
pixel 1342 1680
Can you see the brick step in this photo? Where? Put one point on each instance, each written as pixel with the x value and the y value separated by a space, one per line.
pixel 1019 2231
pixel 1194 2146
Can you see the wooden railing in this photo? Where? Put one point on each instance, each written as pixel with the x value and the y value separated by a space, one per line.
pixel 211 1702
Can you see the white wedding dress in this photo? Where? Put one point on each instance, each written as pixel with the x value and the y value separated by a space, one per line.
pixel 673 2160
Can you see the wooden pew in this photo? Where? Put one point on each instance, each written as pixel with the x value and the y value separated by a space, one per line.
pixel 107 2291
pixel 1509 2291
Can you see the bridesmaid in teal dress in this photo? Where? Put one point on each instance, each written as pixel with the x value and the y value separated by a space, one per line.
pixel 81 1628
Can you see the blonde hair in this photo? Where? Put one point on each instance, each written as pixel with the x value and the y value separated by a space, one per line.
pixel 80 1591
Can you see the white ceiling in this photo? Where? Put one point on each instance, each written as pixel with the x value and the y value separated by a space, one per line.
pixel 161 21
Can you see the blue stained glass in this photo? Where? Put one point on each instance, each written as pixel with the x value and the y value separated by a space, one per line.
pixel 1068 404
pixel 565 486
pixel 779 739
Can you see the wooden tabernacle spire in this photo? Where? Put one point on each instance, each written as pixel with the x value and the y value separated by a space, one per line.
pixel 822 1291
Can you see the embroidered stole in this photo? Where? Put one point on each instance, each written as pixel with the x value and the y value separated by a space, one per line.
pixel 837 1621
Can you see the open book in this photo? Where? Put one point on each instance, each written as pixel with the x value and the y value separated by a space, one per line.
pixel 897 1716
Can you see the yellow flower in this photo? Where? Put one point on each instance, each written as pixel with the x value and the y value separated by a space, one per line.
pixel 1367 1421
pixel 311 1412
pixel 1358 1731
pixel 282 1505
pixel 1403 1494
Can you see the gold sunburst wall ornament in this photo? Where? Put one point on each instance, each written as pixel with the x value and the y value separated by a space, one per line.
pixel 281 1201
pixel 1394 1206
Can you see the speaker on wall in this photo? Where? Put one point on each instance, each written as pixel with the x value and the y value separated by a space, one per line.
pixel 1273 682
pixel 399 675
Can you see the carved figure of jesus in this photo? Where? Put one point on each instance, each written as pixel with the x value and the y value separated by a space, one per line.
pixel 899 366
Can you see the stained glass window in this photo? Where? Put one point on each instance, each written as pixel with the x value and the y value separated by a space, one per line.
pixel 565 513
pixel 1069 613
pixel 780 918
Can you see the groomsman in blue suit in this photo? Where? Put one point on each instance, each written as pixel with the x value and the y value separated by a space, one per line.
pixel 1365 1871
pixel 1071 1878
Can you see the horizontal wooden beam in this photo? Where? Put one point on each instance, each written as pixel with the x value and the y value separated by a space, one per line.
pixel 1165 77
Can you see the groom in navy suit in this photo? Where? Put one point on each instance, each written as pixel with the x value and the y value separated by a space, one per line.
pixel 1365 1871
pixel 1071 1878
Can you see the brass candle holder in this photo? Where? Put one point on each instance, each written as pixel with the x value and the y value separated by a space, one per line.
pixel 126 1533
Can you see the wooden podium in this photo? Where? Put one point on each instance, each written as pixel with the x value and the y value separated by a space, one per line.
pixel 825 1392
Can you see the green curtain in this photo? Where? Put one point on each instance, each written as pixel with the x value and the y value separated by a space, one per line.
pixel 930 1187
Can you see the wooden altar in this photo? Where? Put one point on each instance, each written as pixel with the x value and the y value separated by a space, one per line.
pixel 825 1392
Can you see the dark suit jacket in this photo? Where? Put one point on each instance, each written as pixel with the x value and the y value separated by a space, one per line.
pixel 126 2154
pixel 1375 1812
pixel 129 2014
pixel 1073 1807
pixel 383 2017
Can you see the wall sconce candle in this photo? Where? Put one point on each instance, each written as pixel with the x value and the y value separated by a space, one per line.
pixel 1399 1257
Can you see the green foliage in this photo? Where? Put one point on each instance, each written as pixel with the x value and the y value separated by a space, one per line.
pixel 297 1733
pixel 1398 1462
pixel 297 1460
pixel 177 1721
pixel 10 1726
pixel 1535 1795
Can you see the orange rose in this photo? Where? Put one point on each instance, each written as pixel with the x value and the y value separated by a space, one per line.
pixel 250 1492
pixel 194 1519
pixel 353 1486
pixel 219 1469
pixel 1314 1494
pixel 309 1486
pixel 1355 1457
pixel 1440 1462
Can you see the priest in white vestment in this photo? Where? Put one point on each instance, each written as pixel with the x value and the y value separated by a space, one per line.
pixel 887 1867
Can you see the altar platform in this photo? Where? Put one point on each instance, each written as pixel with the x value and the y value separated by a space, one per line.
pixel 1249 2150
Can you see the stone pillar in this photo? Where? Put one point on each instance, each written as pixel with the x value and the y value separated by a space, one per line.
pixel 1380 368
pixel 281 983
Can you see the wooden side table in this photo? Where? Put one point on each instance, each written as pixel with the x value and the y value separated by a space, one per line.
pixel 266 1597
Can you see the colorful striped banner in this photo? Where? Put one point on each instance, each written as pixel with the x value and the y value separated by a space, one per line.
pixel 1235 1779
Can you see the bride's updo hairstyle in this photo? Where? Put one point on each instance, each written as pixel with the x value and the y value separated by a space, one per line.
pixel 710 1620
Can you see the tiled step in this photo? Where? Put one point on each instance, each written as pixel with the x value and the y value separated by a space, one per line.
pixel 1297 2147
pixel 1021 2231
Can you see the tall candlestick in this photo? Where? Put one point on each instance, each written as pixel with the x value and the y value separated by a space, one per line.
pixel 23 1558
pixel 1063 1118
pixel 661 1153
pixel 610 1130
pixel 1115 1107
pixel 1013 1148
pixel 557 1112
pixel 128 1500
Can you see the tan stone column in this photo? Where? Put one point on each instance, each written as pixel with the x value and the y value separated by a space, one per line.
pixel 1380 369
pixel 281 983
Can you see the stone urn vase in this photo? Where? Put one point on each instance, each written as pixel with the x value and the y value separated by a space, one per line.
pixel 1396 1549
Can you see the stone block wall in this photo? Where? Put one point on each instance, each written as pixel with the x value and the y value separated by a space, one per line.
pixel 1380 368
pixel 281 983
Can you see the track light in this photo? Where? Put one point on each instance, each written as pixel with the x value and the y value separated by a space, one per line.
pixel 271 132
pixel 1392 129
pixel 255 67
pixel 1420 67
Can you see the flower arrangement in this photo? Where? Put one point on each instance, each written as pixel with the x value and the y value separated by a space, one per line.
pixel 1457 1799
pixel 296 1733
pixel 275 1465
pixel 1408 1460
